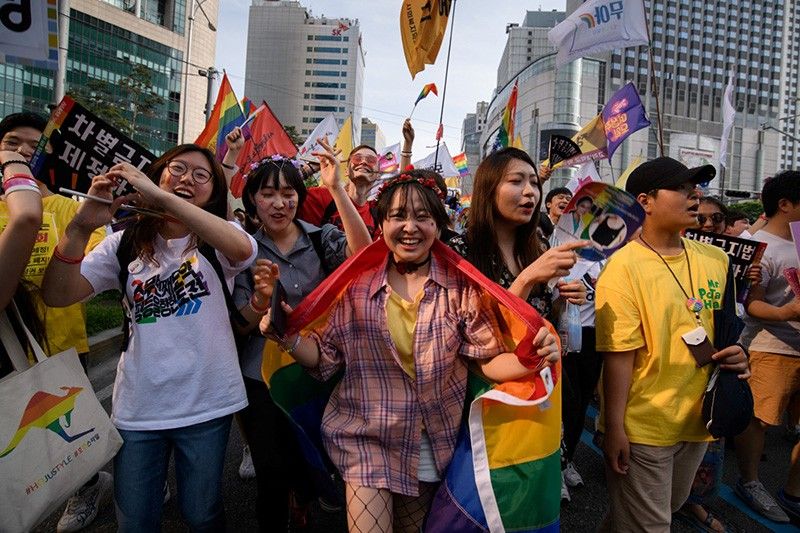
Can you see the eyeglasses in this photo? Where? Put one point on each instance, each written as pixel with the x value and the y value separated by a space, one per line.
pixel 178 169
pixel 716 218
pixel 357 159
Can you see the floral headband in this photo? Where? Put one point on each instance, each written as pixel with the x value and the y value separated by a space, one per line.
pixel 276 159
pixel 430 183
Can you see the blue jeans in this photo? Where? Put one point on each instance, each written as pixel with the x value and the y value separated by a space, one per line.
pixel 140 470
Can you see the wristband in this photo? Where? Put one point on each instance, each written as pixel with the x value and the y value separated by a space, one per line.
pixel 13 162
pixel 17 188
pixel 65 259
pixel 19 179
pixel 256 308
pixel 403 152
pixel 294 345
pixel 229 167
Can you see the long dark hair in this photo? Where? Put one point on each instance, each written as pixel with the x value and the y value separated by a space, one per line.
pixel 484 252
pixel 146 228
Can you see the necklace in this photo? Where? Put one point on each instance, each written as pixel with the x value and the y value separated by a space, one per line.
pixel 405 267
pixel 695 305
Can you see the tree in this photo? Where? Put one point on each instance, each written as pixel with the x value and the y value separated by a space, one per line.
pixel 123 104
pixel 291 131
pixel 752 209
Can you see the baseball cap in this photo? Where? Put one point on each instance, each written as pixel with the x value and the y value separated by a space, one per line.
pixel 666 173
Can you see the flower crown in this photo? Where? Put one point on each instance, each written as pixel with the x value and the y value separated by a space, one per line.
pixel 276 159
pixel 430 183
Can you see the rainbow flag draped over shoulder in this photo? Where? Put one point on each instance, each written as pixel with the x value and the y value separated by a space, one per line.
pixel 505 473
pixel 225 116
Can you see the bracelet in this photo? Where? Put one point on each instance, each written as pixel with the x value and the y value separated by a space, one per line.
pixel 17 188
pixel 256 308
pixel 403 152
pixel 229 167
pixel 65 259
pixel 13 162
pixel 294 345
pixel 19 179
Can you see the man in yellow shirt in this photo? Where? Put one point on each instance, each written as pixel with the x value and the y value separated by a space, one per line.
pixel 651 292
pixel 64 327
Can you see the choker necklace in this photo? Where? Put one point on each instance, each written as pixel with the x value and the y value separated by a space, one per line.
pixel 406 267
pixel 695 305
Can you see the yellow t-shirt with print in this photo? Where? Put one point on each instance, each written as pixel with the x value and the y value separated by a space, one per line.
pixel 65 327
pixel 640 307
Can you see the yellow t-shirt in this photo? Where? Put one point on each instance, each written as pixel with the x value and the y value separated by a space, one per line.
pixel 401 316
pixel 640 307
pixel 65 326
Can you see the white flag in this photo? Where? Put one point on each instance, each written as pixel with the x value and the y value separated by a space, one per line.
pixel 444 163
pixel 587 173
pixel 326 127
pixel 598 26
pixel 728 114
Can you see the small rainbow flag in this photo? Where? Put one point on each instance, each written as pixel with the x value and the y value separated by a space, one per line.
pixel 225 116
pixel 429 88
pixel 248 106
pixel 460 162
pixel 506 135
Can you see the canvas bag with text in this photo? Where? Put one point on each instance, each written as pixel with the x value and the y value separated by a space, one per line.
pixel 54 434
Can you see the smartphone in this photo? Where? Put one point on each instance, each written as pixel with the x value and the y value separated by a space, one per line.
pixel 277 312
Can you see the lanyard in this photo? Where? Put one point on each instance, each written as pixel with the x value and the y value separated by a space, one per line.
pixel 693 304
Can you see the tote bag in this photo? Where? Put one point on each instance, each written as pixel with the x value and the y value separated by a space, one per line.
pixel 54 434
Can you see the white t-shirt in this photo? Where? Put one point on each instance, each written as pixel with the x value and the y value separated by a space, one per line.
pixel 767 335
pixel 181 366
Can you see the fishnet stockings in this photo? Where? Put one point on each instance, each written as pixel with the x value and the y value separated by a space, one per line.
pixel 380 511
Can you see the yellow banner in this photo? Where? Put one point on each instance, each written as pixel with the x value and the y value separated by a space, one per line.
pixel 623 178
pixel 592 142
pixel 344 142
pixel 422 28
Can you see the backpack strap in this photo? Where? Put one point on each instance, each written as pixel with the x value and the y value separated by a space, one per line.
pixel 126 253
pixel 211 255
pixel 316 242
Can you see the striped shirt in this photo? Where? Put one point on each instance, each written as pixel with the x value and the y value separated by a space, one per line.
pixel 372 424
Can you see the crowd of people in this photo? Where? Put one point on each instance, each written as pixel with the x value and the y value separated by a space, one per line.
pixel 404 332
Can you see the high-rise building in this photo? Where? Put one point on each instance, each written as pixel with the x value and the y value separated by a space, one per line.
pixel 789 121
pixel 303 66
pixel 107 38
pixel 527 42
pixel 471 129
pixel 697 45
pixel 372 134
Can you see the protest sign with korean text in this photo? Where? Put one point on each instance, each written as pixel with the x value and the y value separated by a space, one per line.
pixel 741 252
pixel 87 146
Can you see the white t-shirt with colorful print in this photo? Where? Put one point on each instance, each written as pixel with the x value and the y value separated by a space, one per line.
pixel 181 366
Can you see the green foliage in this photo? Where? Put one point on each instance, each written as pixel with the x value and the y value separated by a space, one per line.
pixel 103 312
pixel 751 208
pixel 125 103
pixel 292 132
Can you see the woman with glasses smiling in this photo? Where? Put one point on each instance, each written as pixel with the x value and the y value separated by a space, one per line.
pixel 711 215
pixel 178 380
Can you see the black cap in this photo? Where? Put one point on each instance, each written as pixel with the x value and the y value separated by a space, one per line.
pixel 666 173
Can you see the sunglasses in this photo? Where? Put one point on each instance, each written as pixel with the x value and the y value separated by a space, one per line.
pixel 178 169
pixel 716 218
pixel 357 159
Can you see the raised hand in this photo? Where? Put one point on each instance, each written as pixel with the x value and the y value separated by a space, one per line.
pixel 92 214
pixel 234 140
pixel 265 276
pixel 328 166
pixel 555 263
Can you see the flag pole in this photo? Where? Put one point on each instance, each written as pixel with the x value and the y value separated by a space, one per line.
pixel 446 71
pixel 654 84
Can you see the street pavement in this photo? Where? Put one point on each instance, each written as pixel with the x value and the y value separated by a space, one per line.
pixel 584 512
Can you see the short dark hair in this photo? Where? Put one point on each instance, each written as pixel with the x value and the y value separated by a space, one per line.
pixel 734 215
pixel 359 147
pixel 555 192
pixel 26 119
pixel 784 186
pixel 429 197
pixel 268 174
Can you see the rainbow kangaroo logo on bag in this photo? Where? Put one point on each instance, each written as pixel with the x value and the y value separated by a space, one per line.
pixel 44 410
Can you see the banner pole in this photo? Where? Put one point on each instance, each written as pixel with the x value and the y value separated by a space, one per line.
pixel 446 71
pixel 654 85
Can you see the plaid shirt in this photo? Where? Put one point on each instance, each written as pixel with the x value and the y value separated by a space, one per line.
pixel 373 422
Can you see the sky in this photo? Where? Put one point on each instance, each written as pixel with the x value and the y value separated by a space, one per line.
pixel 389 91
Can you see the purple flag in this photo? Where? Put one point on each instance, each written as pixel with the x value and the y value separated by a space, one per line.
pixel 623 115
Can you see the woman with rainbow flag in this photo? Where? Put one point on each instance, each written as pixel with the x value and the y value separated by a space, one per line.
pixel 400 321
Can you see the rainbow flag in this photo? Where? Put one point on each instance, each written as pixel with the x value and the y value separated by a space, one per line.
pixel 505 473
pixel 460 162
pixel 505 137
pixel 248 107
pixel 429 88
pixel 225 116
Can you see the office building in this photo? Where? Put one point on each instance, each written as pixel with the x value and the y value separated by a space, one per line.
pixel 108 37
pixel 471 129
pixel 526 42
pixel 372 135
pixel 303 66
